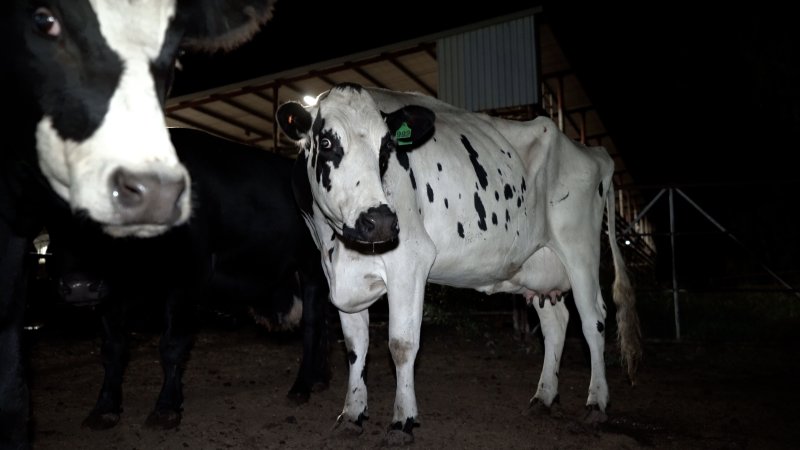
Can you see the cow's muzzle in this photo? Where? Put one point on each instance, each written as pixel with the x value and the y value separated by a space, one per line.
pixel 147 198
pixel 376 226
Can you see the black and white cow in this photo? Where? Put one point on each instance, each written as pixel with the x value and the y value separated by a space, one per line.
pixel 84 87
pixel 481 202
pixel 246 244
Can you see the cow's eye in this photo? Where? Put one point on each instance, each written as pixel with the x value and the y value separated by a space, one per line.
pixel 45 22
pixel 325 144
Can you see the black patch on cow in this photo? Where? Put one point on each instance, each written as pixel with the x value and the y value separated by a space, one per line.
pixel 77 97
pixel 330 255
pixel 506 227
pixel 519 201
pixel 497 196
pixel 459 196
pixel 402 158
pixel 358 183
pixel 507 192
pixel 387 147
pixel 514 188
pixel 333 236
pixel 600 326
pixel 494 218
pixel 445 203
pixel 362 416
pixel 600 190
pixel 523 186
pixel 332 155
pixel 509 154
pixel 413 180
pixel 499 172
pixel 439 166
pixel 460 229
pixel 480 172
pixel 430 192
pixel 301 186
pixel 351 356
pixel 481 212
pixel 508 217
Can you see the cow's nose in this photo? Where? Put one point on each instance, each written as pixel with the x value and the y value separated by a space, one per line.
pixel 147 198
pixel 377 224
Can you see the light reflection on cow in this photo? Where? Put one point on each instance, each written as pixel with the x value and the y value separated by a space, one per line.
pixel 484 203
pixel 85 83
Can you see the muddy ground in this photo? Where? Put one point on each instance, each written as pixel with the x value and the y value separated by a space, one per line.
pixel 473 383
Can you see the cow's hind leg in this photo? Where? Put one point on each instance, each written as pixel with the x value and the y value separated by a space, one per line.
pixel 553 319
pixel 114 350
pixel 588 301
pixel 174 347
pixel 355 327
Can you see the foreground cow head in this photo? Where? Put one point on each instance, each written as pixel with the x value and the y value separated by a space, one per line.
pixel 346 142
pixel 89 78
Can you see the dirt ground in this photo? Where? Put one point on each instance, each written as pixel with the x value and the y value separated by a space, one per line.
pixel 472 387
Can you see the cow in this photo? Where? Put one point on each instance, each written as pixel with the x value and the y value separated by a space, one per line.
pixel 401 189
pixel 85 83
pixel 245 244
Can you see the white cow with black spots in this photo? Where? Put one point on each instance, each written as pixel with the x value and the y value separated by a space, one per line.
pixel 401 189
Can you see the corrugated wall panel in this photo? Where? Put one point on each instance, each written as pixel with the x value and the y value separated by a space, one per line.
pixel 492 67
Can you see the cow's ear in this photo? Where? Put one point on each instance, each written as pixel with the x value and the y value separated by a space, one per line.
pixel 411 126
pixel 211 25
pixel 294 120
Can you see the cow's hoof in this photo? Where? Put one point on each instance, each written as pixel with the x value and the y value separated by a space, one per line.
pixel 537 408
pixel 344 428
pixel 163 419
pixel 594 415
pixel 398 438
pixel 100 421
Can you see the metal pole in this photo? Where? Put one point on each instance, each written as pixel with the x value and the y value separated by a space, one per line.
pixel 674 274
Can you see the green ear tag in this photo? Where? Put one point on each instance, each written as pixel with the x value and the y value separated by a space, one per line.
pixel 403 134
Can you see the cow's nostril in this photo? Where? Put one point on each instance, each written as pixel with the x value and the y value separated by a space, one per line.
pixel 128 188
pixel 148 197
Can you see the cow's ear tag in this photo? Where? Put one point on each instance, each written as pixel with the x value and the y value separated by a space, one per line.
pixel 403 134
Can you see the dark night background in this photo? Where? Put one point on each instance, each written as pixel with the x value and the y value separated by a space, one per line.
pixel 704 98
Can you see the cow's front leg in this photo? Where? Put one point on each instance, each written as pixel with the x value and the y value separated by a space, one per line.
pixel 174 347
pixel 355 327
pixel 553 319
pixel 405 321
pixel 114 350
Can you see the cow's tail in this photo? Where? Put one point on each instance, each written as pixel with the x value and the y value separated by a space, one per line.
pixel 629 335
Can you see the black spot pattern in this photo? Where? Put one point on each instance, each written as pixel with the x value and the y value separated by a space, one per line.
pixel 497 196
pixel 480 172
pixel 600 326
pixel 460 229
pixel 351 356
pixel 481 212
pixel 600 190
pixel 523 186
pixel 494 218
pixel 445 204
pixel 430 192
pixel 507 192
pixel 439 166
